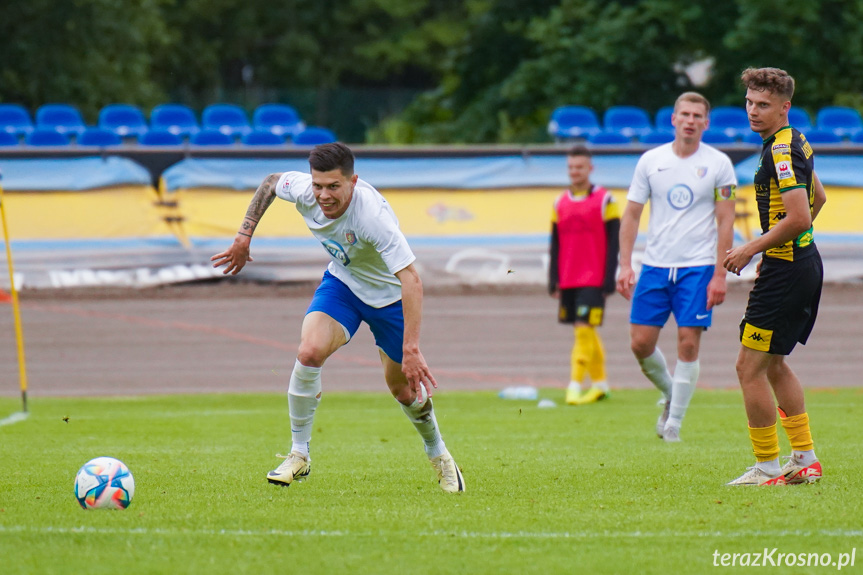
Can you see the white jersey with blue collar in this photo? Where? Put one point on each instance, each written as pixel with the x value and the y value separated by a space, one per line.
pixel 683 193
pixel 365 243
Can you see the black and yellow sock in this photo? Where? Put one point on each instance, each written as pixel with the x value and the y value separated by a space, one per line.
pixel 797 429
pixel 582 351
pixel 765 442
pixel 596 367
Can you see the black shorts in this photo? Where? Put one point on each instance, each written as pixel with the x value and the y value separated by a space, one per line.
pixel 585 304
pixel 782 305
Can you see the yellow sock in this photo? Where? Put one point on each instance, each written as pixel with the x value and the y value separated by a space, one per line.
pixel 799 434
pixel 765 442
pixel 596 367
pixel 582 351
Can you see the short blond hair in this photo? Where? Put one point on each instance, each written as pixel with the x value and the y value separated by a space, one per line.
pixel 693 97
pixel 771 80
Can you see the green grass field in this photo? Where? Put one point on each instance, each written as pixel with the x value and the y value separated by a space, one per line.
pixel 562 490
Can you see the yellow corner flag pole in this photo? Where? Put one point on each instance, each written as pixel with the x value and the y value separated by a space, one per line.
pixel 16 310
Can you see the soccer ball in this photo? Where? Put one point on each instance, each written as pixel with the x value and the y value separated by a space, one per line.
pixel 104 483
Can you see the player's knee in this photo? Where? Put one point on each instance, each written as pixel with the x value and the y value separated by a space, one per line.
pixel 641 349
pixel 311 355
pixel 404 395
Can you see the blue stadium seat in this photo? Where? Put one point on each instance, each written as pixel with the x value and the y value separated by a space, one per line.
pixel 313 136
pixel 279 119
pixel 821 136
pixel 262 138
pixel 60 118
pixel 609 138
pixel 226 118
pixel 663 119
pixel 858 137
pixel 573 122
pixel 210 137
pixel 160 138
pixel 99 137
pixel 657 137
pixel 799 118
pixel 716 137
pixel 730 119
pixel 47 137
pixel 753 138
pixel 631 121
pixel 15 119
pixel 840 120
pixel 8 139
pixel 124 120
pixel 175 118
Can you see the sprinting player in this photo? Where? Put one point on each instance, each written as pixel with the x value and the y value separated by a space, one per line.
pixel 371 279
pixel 691 188
pixel 583 261
pixel 784 301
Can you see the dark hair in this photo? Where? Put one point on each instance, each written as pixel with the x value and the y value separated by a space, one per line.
pixel 579 150
pixel 327 157
pixel 771 80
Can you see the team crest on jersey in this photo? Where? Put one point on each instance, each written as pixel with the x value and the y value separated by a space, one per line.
pixel 701 171
pixel 337 251
pixel 351 237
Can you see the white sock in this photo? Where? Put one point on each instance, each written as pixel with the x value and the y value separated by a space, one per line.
pixel 575 386
pixel 656 370
pixel 421 414
pixel 683 387
pixel 771 467
pixel 603 385
pixel 304 395
pixel 805 457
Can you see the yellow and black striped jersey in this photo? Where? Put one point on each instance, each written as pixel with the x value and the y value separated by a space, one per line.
pixel 786 164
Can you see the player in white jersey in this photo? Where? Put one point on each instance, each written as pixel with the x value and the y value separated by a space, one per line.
pixel 371 279
pixel 691 188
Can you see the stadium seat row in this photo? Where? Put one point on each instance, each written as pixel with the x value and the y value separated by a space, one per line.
pixel 170 125
pixel 728 124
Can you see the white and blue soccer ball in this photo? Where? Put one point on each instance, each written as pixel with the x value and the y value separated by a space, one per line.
pixel 104 483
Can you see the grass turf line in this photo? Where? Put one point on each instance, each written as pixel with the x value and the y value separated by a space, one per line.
pixel 549 490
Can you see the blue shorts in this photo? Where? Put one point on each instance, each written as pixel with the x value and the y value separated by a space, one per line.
pixel 661 291
pixel 387 323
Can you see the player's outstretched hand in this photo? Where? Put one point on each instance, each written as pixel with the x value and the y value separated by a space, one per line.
pixel 417 372
pixel 234 258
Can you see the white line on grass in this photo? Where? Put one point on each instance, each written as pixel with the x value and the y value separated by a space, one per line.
pixel 465 534
pixel 14 418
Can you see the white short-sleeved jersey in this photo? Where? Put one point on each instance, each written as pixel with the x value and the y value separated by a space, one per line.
pixel 681 231
pixel 365 243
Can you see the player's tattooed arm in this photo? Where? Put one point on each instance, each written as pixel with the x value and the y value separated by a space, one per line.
pixel 262 199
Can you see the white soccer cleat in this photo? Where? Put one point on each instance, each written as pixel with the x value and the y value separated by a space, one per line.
pixel 663 418
pixel 756 476
pixel 448 474
pixel 295 466
pixel 671 434
pixel 796 473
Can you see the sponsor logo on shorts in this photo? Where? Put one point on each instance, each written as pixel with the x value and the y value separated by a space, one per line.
pixel 702 315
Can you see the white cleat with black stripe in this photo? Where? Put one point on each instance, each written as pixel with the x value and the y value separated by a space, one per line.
pixel 448 474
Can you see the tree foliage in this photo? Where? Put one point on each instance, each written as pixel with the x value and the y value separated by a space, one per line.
pixel 491 70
